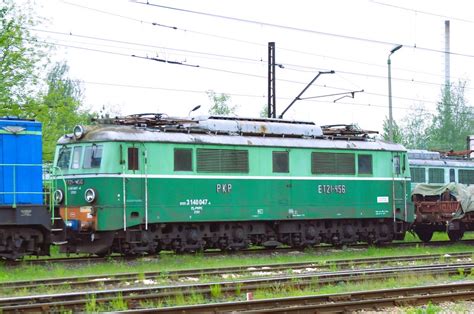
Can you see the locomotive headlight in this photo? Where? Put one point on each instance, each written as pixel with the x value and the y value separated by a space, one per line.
pixel 78 132
pixel 90 195
pixel 58 196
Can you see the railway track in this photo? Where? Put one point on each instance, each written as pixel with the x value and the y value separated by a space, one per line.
pixel 253 251
pixel 83 282
pixel 134 297
pixel 343 302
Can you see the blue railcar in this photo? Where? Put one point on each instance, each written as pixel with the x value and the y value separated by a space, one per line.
pixel 24 218
pixel 20 157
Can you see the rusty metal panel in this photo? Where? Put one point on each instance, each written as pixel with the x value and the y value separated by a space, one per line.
pixel 132 134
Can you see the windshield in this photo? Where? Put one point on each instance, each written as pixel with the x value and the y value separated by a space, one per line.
pixel 64 157
pixel 92 156
pixel 76 157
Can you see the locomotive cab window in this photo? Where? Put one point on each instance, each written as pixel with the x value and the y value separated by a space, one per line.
pixel 332 163
pixel 92 156
pixel 64 157
pixel 76 157
pixel 396 165
pixel 183 159
pixel 281 162
pixel 365 164
pixel 132 158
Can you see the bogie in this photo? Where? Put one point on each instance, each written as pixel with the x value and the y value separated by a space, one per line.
pixel 232 236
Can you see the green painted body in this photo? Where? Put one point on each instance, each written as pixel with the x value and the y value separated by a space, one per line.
pixel 157 194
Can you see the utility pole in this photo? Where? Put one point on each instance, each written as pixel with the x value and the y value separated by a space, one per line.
pixel 271 110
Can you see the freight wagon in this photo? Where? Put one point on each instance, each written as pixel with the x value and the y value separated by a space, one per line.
pixel 442 187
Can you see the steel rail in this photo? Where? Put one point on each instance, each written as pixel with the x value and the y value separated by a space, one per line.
pixel 342 302
pixel 133 296
pixel 80 282
pixel 252 251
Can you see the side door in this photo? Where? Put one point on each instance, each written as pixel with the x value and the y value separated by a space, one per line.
pixel 399 186
pixel 135 200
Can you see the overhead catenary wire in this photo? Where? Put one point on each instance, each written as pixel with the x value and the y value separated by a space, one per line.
pixel 233 94
pixel 245 41
pixel 70 34
pixel 287 66
pixel 305 30
pixel 247 74
pixel 380 105
pixel 423 12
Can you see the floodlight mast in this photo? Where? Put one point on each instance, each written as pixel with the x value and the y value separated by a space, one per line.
pixel 390 116
pixel 194 109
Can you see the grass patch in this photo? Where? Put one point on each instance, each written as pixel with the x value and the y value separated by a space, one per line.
pixel 118 304
pixel 216 291
pixel 430 308
pixel 281 291
pixel 170 262
pixel 437 236
pixel 292 289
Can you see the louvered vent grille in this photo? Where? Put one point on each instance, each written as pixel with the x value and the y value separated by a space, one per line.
pixel 222 160
pixel 466 176
pixel 418 175
pixel 332 163
pixel 435 175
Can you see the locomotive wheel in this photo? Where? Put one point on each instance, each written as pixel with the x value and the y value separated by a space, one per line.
pixel 424 235
pixel 455 235
pixel 103 254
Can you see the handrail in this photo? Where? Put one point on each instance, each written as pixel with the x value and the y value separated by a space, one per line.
pixel 54 178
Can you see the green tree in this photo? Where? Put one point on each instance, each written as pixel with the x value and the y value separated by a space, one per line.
pixel 53 100
pixel 264 111
pixel 59 109
pixel 453 121
pixel 397 132
pixel 220 105
pixel 415 128
pixel 21 58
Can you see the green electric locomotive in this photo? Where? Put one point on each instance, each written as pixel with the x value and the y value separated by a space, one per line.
pixel 146 183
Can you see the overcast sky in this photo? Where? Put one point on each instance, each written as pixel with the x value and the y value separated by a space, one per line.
pixel 222 46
